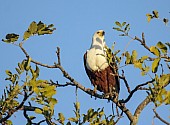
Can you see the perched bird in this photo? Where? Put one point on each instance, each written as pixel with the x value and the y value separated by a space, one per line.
pixel 102 74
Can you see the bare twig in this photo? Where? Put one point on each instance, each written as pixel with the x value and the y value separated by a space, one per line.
pixel 162 56
pixel 61 85
pixel 160 118
pixel 58 55
pixel 142 41
pixel 30 108
pixel 125 81
pixel 35 62
pixel 27 117
pixel 134 90
pixel 119 117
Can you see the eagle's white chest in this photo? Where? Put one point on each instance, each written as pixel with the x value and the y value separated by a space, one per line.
pixel 96 60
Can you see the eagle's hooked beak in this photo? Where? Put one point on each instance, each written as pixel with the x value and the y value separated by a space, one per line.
pixel 101 33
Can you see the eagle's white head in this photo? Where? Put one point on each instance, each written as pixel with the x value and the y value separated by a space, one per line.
pixel 96 55
pixel 98 40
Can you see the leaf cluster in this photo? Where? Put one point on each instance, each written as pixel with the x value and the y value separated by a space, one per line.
pixel 159 94
pixel 137 62
pixel 10 38
pixel 112 58
pixel 157 90
pixel 122 27
pixel 92 117
pixel 160 51
pixel 34 28
pixel 42 92
pixel 38 28
pixel 155 15
pixel 9 100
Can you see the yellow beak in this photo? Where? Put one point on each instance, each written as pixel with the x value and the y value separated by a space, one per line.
pixel 101 33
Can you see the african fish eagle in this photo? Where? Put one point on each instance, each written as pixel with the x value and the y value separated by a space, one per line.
pixel 102 75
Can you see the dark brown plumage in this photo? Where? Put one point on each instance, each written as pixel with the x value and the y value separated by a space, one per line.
pixel 106 81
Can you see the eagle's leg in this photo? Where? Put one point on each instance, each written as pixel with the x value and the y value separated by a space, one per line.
pixel 94 91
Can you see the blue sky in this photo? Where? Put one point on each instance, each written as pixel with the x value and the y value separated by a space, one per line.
pixel 75 23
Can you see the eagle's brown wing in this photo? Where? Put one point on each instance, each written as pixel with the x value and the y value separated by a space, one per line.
pixel 106 80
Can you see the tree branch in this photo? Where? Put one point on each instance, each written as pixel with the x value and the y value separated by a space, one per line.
pixel 134 90
pixel 142 41
pixel 58 55
pixel 30 108
pixel 139 109
pixel 125 81
pixel 160 118
pixel 77 84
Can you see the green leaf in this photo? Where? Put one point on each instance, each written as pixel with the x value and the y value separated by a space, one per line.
pixel 77 105
pixel 128 58
pixel 37 71
pixel 164 79
pixel 122 35
pixel 9 73
pixel 118 29
pixel 134 56
pixel 42 29
pixel 145 70
pixel 18 70
pixel 162 47
pixel 113 46
pixel 32 99
pixel 155 65
pixel 53 101
pixel 45 108
pixel 101 113
pixel 155 50
pixel 118 24
pixel 11 38
pixel 32 28
pixel 27 64
pixel 61 118
pixel 9 122
pixel 149 17
pixel 123 23
pixel 90 112
pixel 155 13
pixel 165 21
pixel 27 34
pixel 32 117
pixel 51 25
pixel 143 58
pixel 38 111
pixel 167 96
pixel 118 59
pixel 73 119
pixel 21 66
pixel 127 28
pixel 45 31
pixel 160 96
pixel 49 90
pixel 138 65
pixel 41 26
pixel 14 77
